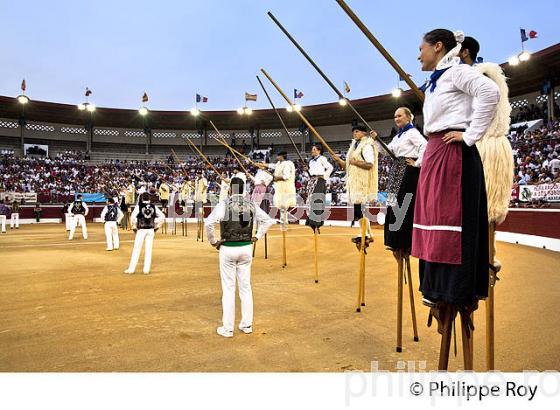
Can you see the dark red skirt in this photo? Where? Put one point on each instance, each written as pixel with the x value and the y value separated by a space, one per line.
pixel 451 194
pixel 438 213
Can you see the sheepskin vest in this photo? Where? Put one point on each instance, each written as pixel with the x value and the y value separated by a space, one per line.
pixel 361 184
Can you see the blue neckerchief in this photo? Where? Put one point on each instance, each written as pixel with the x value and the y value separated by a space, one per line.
pixel 433 80
pixel 405 129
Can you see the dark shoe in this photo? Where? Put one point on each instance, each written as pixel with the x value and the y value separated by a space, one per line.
pixel 358 241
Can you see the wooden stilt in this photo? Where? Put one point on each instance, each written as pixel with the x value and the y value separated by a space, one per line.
pixel 255 244
pixel 472 338
pixel 198 226
pixel 366 222
pixel 411 293
pixel 202 225
pixel 361 301
pixel 400 275
pixel 467 336
pixel 446 315
pixel 316 256
pixel 490 301
pixel 284 228
pixel 164 225
pixel 265 246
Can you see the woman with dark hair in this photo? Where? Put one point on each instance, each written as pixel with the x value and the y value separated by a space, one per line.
pixel 320 170
pixel 450 234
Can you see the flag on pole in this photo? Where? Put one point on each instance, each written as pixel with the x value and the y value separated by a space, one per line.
pixel 201 98
pixel 524 38
pixel 250 97
pixel 23 85
pixel 88 92
pixel 402 79
pixel 145 98
pixel 346 87
pixel 298 94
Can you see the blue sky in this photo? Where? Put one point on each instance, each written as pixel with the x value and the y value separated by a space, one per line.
pixel 173 49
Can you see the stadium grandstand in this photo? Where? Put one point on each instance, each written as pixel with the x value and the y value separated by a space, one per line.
pixel 56 150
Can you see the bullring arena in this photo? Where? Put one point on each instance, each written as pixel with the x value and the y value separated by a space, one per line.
pixel 69 305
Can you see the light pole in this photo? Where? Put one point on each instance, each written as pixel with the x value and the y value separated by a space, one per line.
pixel 90 108
pixel 143 111
pixel 23 100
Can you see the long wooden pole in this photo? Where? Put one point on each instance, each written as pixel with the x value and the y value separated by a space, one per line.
pixel 204 157
pixel 329 82
pixel 235 153
pixel 307 123
pixel 221 140
pixel 280 118
pixel 381 49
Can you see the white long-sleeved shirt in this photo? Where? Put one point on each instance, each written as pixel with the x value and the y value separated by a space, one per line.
pixel 160 217
pixel 367 152
pixel 321 167
pixel 411 144
pixel 262 178
pixel 83 204
pixel 120 214
pixel 287 170
pixel 264 222
pixel 451 106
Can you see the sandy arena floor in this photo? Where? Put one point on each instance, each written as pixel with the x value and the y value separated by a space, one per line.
pixel 68 306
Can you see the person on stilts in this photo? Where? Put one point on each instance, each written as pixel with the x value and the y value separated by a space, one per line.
pixel 361 189
pixel 450 229
pixel 408 146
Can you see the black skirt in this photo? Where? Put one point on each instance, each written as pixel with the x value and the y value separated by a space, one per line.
pixel 316 190
pixel 465 283
pixel 401 238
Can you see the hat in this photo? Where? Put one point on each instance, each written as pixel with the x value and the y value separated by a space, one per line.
pixel 359 127
pixel 283 153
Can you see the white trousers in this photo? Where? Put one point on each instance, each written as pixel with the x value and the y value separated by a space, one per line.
pixel 78 219
pixel 3 221
pixel 235 262
pixel 68 218
pixel 112 235
pixel 14 220
pixel 141 235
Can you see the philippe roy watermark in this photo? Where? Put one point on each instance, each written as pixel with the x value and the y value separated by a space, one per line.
pixel 410 379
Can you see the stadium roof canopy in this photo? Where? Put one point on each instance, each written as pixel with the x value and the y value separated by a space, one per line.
pixel 524 78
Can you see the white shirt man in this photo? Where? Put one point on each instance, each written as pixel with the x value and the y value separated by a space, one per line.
pixel 236 216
